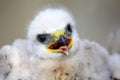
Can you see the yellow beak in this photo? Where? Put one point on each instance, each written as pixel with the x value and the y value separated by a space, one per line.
pixel 60 43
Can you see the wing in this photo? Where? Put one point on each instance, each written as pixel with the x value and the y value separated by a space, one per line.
pixel 8 58
pixel 14 58
pixel 114 65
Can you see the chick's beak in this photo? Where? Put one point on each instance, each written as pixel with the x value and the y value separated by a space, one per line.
pixel 62 39
pixel 60 45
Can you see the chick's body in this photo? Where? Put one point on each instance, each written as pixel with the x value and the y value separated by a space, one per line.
pixel 84 64
pixel 30 59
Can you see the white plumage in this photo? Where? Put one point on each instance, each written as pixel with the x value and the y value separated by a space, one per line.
pixel 114 65
pixel 39 58
pixel 114 49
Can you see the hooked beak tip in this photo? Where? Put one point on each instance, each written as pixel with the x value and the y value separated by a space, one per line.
pixel 65 53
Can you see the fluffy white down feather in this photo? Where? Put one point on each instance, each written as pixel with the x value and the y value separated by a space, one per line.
pixel 114 49
pixel 114 65
pixel 29 60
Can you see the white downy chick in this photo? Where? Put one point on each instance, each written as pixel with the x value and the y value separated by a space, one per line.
pixel 114 49
pixel 54 51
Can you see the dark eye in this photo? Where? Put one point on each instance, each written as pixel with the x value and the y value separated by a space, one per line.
pixel 44 38
pixel 68 30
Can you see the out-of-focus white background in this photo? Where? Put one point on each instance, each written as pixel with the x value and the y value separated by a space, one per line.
pixel 95 18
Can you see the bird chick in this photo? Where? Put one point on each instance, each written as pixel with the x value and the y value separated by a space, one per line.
pixel 54 51
pixel 114 50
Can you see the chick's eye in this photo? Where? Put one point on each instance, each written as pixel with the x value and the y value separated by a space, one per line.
pixel 68 30
pixel 44 38
pixel 41 37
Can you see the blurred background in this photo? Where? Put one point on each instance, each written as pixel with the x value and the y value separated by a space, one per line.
pixel 97 20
